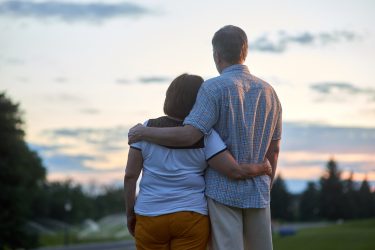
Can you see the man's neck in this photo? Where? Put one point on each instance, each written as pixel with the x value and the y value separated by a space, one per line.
pixel 225 65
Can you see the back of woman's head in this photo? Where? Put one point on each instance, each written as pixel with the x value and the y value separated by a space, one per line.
pixel 181 95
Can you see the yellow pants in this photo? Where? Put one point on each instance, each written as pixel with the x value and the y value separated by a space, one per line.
pixel 176 231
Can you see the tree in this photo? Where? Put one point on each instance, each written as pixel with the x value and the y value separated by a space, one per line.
pixel 331 195
pixel 366 202
pixel 281 200
pixel 55 196
pixel 309 203
pixel 51 202
pixel 21 177
pixel 110 202
pixel 351 209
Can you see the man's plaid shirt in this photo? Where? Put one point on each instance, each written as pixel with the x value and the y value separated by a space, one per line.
pixel 246 113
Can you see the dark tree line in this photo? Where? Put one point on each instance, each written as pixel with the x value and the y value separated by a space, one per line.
pixel 26 196
pixel 331 199
pixel 52 202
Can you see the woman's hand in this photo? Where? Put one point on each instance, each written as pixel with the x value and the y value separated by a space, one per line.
pixel 267 167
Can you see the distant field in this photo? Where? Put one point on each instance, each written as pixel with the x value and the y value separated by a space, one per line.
pixel 353 235
pixel 108 229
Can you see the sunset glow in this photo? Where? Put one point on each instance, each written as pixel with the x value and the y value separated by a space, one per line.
pixel 84 80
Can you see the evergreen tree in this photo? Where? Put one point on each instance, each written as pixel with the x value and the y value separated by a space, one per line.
pixel 309 203
pixel 331 195
pixel 366 202
pixel 21 178
pixel 281 200
pixel 350 209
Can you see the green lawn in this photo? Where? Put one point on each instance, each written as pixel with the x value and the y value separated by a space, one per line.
pixel 353 235
pixel 58 239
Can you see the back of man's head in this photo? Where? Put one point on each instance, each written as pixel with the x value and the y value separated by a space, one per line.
pixel 230 42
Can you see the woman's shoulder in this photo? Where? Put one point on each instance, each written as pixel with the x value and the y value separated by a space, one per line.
pixel 163 121
pixel 212 137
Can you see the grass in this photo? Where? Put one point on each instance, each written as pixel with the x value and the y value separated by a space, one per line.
pixel 353 235
pixel 58 239
pixel 109 228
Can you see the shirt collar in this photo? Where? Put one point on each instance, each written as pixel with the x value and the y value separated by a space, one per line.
pixel 236 67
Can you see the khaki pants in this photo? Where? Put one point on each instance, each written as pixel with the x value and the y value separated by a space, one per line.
pixel 238 229
pixel 176 231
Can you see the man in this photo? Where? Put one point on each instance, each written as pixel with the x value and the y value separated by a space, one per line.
pixel 246 113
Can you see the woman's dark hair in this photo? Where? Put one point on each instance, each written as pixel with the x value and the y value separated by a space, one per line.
pixel 181 95
pixel 231 43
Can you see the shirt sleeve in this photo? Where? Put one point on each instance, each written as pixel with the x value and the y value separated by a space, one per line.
pixel 278 128
pixel 140 144
pixel 205 112
pixel 214 145
pixel 137 145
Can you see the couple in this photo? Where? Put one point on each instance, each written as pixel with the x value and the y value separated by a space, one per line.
pixel 235 111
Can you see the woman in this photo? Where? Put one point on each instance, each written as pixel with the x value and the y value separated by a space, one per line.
pixel 170 211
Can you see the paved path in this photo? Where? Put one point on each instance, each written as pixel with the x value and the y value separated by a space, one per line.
pixel 117 245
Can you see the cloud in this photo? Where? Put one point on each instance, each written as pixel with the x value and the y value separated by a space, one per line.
pixel 144 80
pixel 283 40
pixel 103 139
pixel 154 79
pixel 90 111
pixel 64 97
pixel 122 81
pixel 15 61
pixel 111 178
pixel 359 163
pixel 71 11
pixel 327 89
pixel 65 163
pixel 61 79
pixel 368 111
pixel 303 163
pixel 327 139
pixel 56 161
pixel 306 148
pixel 313 138
pixel 12 61
pixel 45 148
pixel 23 79
pixel 68 150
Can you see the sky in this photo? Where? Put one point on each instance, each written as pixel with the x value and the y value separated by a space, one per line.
pixel 85 71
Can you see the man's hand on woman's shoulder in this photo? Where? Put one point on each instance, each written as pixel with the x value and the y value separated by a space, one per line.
pixel 135 133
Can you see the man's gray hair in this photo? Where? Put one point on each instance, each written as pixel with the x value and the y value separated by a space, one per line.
pixel 231 44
